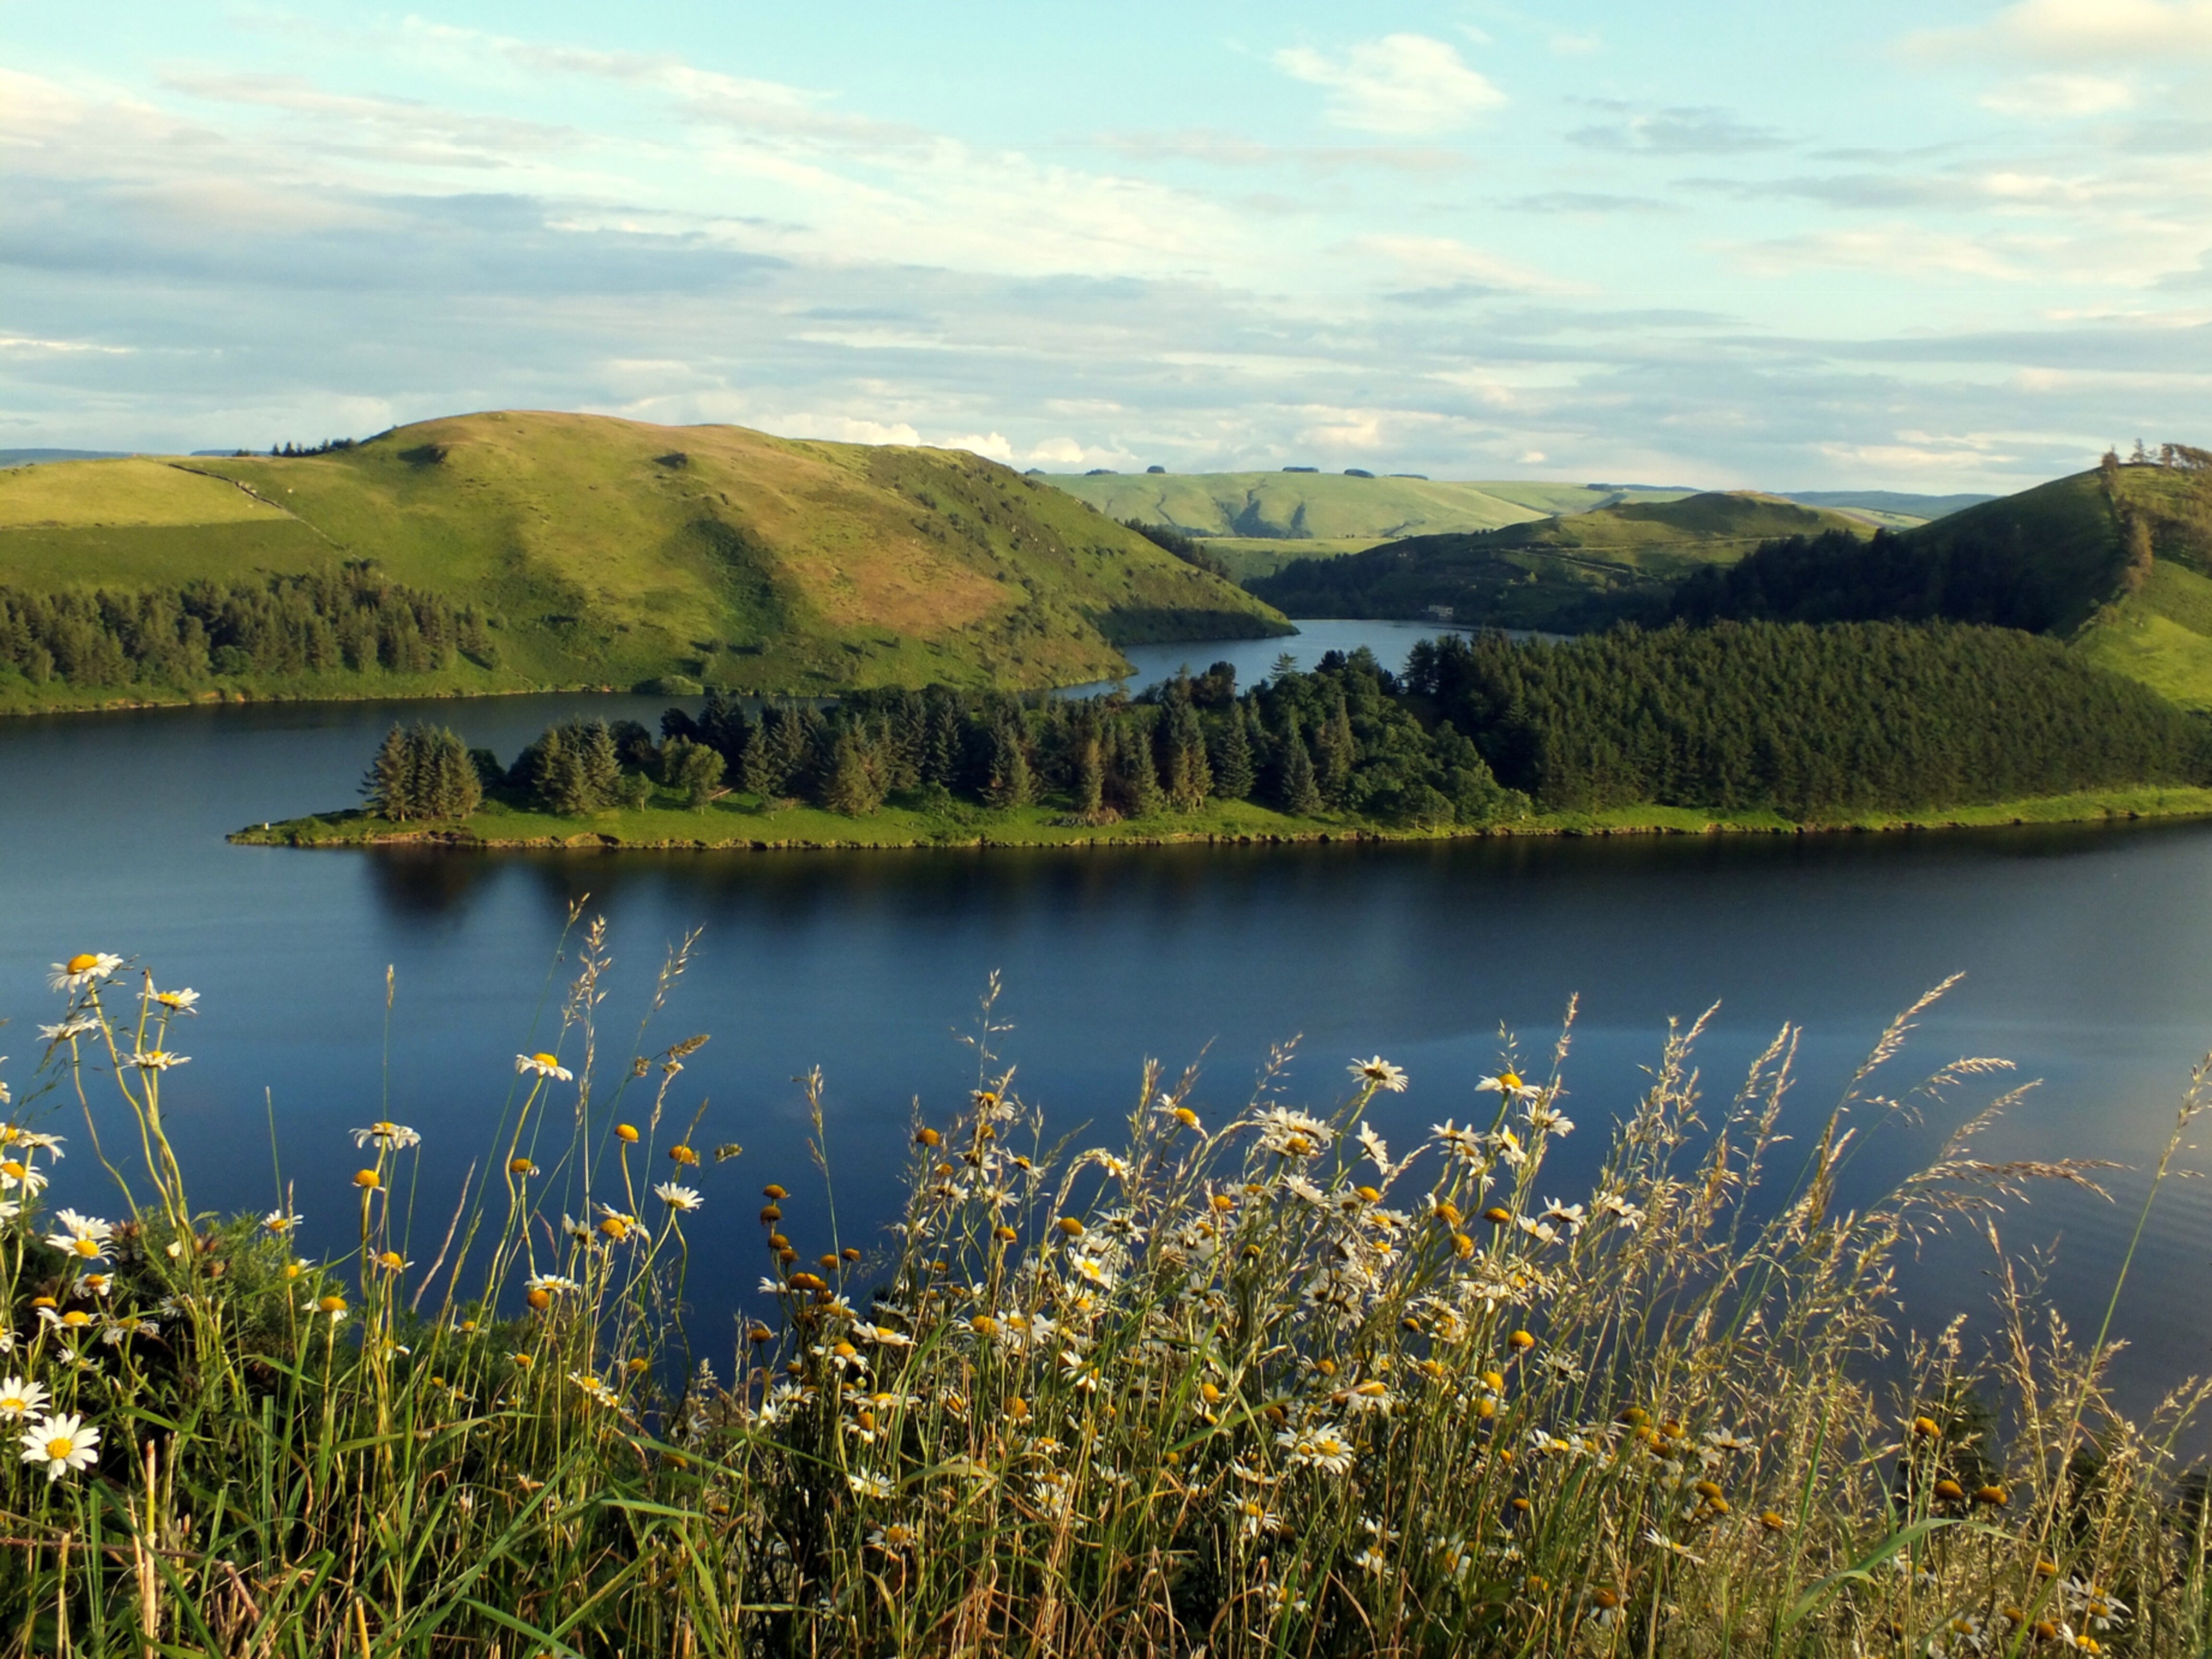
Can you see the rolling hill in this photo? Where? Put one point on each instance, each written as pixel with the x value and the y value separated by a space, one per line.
pixel 1333 507
pixel 536 549
pixel 1563 574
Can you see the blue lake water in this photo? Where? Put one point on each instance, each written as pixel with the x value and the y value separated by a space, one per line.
pixel 2087 952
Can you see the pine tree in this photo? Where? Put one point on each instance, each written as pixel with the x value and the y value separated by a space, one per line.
pixel 850 786
pixel 1335 753
pixel 1296 792
pixel 1090 788
pixel 1232 759
pixel 1182 745
pixel 446 784
pixel 390 784
pixel 1011 783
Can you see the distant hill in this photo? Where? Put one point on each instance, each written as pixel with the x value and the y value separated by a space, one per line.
pixel 1563 574
pixel 41 457
pixel 594 550
pixel 1887 503
pixel 1333 506
pixel 2117 561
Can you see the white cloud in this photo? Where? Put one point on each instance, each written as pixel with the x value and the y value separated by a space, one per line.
pixel 992 446
pixel 1898 250
pixel 2048 95
pixel 1531 457
pixel 1406 84
pixel 2071 31
pixel 1441 261
pixel 844 428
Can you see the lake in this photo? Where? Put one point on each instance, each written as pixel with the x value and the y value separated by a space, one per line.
pixel 2087 952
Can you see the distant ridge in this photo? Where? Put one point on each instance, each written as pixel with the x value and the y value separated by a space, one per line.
pixel 40 457
pixel 1897 501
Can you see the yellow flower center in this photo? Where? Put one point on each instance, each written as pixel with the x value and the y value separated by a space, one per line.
pixel 364 1179
pixel 77 1317
pixel 83 960
pixel 332 1303
pixel 613 1227
pixel 85 1246
pixel 626 1132
pixel 1510 1079
pixel 13 1169
pixel 544 1059
pixel 59 1448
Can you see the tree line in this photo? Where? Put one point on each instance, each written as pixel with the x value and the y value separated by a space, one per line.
pixel 1341 739
pixel 346 619
pixel 1807 720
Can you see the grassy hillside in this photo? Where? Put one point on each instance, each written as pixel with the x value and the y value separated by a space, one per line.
pixel 601 551
pixel 1896 508
pixel 1333 507
pixel 1562 573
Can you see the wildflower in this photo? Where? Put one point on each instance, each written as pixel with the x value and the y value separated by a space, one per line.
pixel 1507 1144
pixel 86 967
pixel 894 1536
pixel 391 1262
pixel 1772 1522
pixel 677 1197
pixel 1371 1560
pixel 544 1065
pixel 1465 1145
pixel 62 1443
pixel 1317 1449
pixel 1379 1073
pixel 866 1483
pixel 1292 1134
pixel 1506 1083
pixel 1722 1440
pixel 1542 1231
pixel 281 1221
pixel 553 1284
pixel 156 1060
pixel 96 1284
pixel 1544 1118
pixel 398 1136
pixel 122 1327
pixel 1659 1539
pixel 83 1237
pixel 1605 1606
pixel 15 1173
pixel 522 1166
pixel 177 1002
pixel 332 1307
pixel 626 1134
pixel 1614 1205
pixel 2099 1610
pixel 1170 1107
pixel 70 1029
pixel 1566 1215
pixel 19 1398
pixel 367 1180
pixel 599 1392
pixel 683 1154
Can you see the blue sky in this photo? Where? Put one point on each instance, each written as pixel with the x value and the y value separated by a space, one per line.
pixel 1929 247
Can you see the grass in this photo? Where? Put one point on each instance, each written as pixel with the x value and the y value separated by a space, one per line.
pixel 612 552
pixel 1241 1377
pixel 745 821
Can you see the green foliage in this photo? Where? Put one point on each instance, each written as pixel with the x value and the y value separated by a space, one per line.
pixel 1563 574
pixel 1243 1368
pixel 424 772
pixel 341 620
pixel 693 770
pixel 1811 722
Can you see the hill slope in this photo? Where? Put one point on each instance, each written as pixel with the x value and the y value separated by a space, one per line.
pixel 1333 507
pixel 1563 573
pixel 579 550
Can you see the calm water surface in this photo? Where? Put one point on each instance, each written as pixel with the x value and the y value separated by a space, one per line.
pixel 2087 952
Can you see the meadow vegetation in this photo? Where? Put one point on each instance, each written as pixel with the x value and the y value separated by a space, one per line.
pixel 1241 1378
pixel 590 551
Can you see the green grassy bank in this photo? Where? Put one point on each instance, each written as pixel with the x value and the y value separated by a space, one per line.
pixel 747 822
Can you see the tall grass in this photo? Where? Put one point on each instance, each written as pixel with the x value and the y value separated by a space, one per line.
pixel 1251 1381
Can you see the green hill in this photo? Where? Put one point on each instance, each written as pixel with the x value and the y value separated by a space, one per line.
pixel 1563 574
pixel 1333 507
pixel 534 550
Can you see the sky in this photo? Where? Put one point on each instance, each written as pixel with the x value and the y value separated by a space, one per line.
pixel 1933 246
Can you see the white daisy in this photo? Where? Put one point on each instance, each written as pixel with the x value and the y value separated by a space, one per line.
pixel 86 967
pixel 686 1198
pixel 1379 1073
pixel 83 1236
pixel 156 1060
pixel 543 1065
pixel 19 1397
pixel 62 1443
pixel 398 1136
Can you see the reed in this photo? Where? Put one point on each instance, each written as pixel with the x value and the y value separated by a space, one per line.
pixel 1250 1381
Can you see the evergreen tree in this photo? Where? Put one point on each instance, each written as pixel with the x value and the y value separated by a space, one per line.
pixel 1132 784
pixel 446 780
pixel 695 771
pixel 390 784
pixel 1089 787
pixel 1011 783
pixel 850 786
pixel 1183 769
pixel 1231 757
pixel 1296 791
